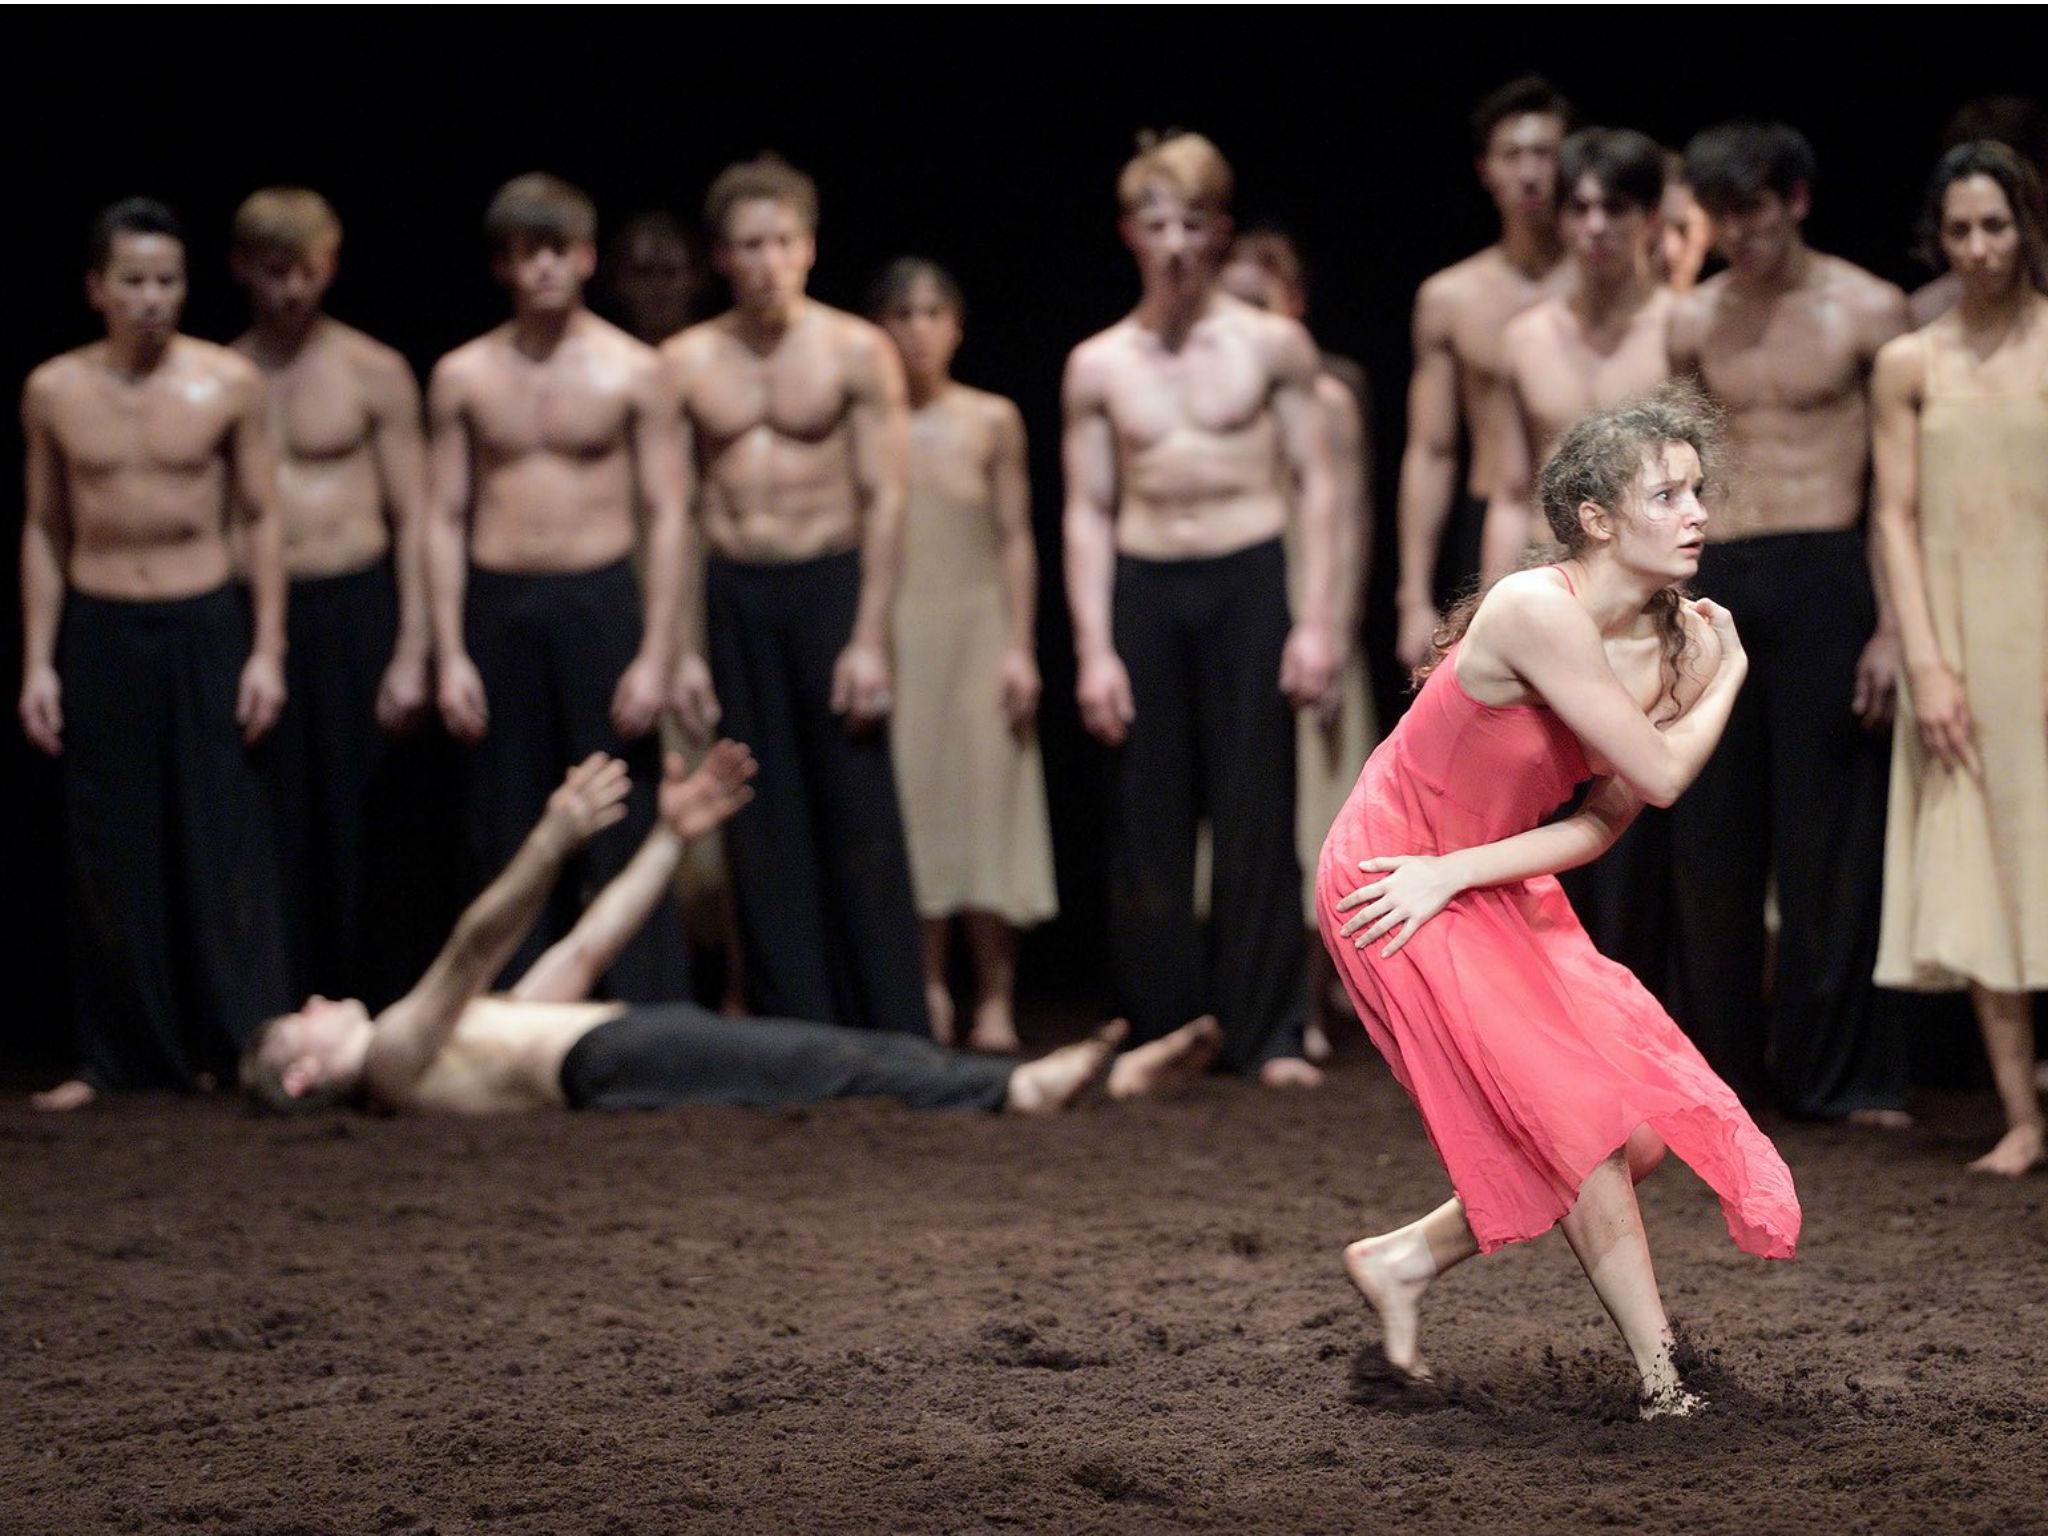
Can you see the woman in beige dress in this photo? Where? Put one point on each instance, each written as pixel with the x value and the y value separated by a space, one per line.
pixel 967 685
pixel 1265 270
pixel 1961 454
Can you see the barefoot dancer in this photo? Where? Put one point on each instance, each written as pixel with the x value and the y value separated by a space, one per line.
pixel 445 1048
pixel 1547 1076
pixel 1962 524
pixel 965 737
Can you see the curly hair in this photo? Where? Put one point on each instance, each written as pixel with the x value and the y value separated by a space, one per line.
pixel 1600 461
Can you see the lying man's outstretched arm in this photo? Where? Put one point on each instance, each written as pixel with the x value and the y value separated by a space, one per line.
pixel 412 1031
pixel 690 807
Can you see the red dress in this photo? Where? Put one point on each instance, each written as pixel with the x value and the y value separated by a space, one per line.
pixel 1530 1054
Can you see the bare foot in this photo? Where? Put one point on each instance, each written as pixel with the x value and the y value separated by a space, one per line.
pixel 1672 1402
pixel 1881 1119
pixel 1048 1085
pixel 1290 1072
pixel 73 1094
pixel 1180 1057
pixel 938 1002
pixel 1391 1273
pixel 1315 1043
pixel 2019 1151
pixel 994 1031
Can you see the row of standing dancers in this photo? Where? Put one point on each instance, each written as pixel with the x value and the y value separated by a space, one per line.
pixel 1198 437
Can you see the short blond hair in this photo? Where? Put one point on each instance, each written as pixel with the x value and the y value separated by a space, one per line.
pixel 1186 163
pixel 291 219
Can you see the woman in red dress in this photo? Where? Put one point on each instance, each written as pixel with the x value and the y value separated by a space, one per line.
pixel 1548 1078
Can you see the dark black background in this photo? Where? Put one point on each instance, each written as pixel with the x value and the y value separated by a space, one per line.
pixel 987 139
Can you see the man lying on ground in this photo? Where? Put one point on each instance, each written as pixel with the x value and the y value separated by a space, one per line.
pixel 447 1047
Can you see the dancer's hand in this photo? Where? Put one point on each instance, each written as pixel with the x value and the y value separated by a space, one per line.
pixel 259 699
pixel 693 698
pixel 402 693
pixel 592 797
pixel 1941 707
pixel 464 709
pixel 1308 667
pixel 1414 888
pixel 1103 690
pixel 1021 687
pixel 638 699
pixel 695 804
pixel 860 686
pixel 1723 623
pixel 42 710
pixel 1415 632
pixel 1877 680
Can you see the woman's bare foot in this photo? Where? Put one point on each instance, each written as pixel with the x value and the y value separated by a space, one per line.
pixel 2019 1151
pixel 1881 1119
pixel 994 1031
pixel 1290 1072
pixel 1180 1057
pixel 1391 1273
pixel 1048 1085
pixel 1669 1402
pixel 73 1094
pixel 938 1002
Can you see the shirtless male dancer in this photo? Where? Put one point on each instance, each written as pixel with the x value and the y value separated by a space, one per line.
pixel 1192 427
pixel 1459 315
pixel 1596 344
pixel 351 500
pixel 547 433
pixel 796 435
pixel 1784 341
pixel 444 1047
pixel 150 673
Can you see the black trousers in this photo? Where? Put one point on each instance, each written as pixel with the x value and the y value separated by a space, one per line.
pixel 321 764
pixel 652 1057
pixel 176 943
pixel 550 649
pixel 819 866
pixel 1797 786
pixel 1213 736
pixel 1624 899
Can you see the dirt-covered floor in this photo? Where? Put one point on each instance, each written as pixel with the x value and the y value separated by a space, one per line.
pixel 860 1318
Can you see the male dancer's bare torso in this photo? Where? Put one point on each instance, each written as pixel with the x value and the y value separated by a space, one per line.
pixel 777 431
pixel 333 403
pixel 505 1055
pixel 145 464
pixel 1198 461
pixel 1790 366
pixel 552 443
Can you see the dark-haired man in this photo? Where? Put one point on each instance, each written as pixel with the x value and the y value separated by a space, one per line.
pixel 146 669
pixel 1591 347
pixel 1784 339
pixel 1458 386
pixel 797 439
pixel 446 1048
pixel 1192 432
pixel 352 511
pixel 547 434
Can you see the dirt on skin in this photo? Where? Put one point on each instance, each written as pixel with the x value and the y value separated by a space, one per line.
pixel 1132 1318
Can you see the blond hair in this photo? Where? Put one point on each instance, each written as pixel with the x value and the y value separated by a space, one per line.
pixel 1186 164
pixel 291 219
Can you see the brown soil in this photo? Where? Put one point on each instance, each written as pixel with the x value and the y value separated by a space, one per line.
pixel 859 1318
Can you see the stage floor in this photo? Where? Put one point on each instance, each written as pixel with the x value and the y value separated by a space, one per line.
pixel 859 1318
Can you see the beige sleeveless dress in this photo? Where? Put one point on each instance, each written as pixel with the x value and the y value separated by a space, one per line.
pixel 1966 860
pixel 973 791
